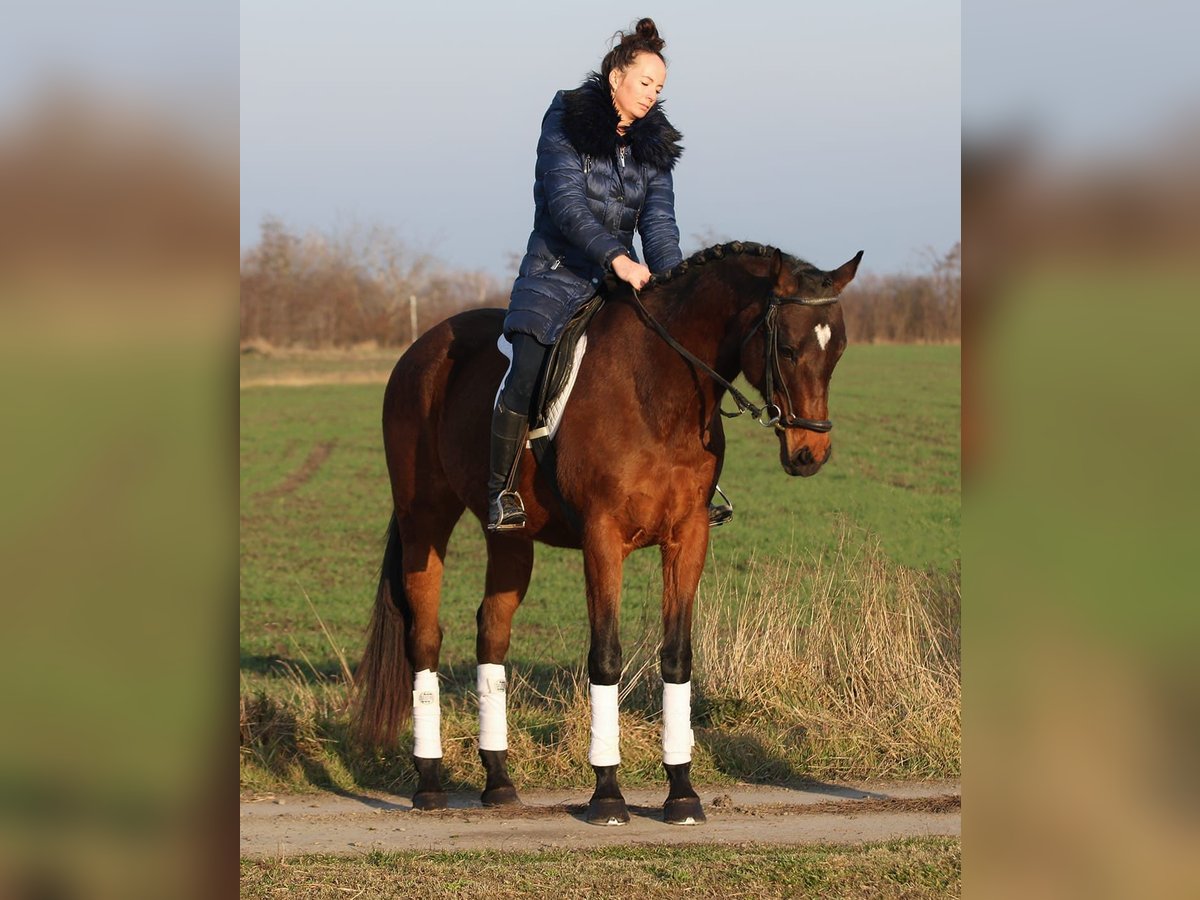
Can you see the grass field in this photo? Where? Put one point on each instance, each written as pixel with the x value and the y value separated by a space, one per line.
pixel 315 501
pixel 924 867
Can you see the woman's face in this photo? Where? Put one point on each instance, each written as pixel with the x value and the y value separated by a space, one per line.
pixel 636 87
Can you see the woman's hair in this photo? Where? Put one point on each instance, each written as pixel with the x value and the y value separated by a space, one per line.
pixel 642 39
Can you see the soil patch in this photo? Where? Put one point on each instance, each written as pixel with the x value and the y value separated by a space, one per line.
pixel 275 826
pixel 309 468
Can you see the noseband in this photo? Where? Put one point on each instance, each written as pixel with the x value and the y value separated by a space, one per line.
pixel 769 323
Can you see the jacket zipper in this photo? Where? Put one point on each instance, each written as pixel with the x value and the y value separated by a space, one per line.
pixel 587 163
pixel 621 155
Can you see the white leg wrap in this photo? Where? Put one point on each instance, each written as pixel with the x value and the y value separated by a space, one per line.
pixel 427 716
pixel 606 729
pixel 677 738
pixel 493 715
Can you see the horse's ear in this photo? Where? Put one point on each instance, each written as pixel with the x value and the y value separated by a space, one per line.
pixel 844 273
pixel 780 275
pixel 776 264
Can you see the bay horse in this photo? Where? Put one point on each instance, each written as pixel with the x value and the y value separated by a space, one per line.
pixel 639 448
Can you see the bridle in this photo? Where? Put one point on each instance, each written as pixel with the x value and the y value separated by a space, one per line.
pixel 769 323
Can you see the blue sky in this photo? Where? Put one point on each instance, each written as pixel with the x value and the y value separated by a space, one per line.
pixel 821 128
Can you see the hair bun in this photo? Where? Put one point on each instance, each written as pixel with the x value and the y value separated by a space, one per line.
pixel 642 38
pixel 647 32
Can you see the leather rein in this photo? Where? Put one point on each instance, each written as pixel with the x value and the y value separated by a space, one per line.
pixel 768 322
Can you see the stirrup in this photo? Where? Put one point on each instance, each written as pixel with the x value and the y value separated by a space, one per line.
pixel 507 512
pixel 720 515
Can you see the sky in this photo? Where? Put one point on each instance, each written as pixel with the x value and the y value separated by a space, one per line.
pixel 1088 79
pixel 819 128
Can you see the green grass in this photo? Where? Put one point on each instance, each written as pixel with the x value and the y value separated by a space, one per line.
pixel 312 546
pixel 914 868
pixel 894 475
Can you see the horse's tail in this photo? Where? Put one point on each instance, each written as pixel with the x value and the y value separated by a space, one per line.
pixel 384 679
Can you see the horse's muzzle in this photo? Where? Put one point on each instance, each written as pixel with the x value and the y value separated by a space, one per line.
pixel 804 462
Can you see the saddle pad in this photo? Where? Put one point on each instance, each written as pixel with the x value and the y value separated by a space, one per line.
pixel 552 413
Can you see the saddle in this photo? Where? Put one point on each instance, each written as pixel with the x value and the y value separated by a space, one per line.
pixel 558 374
pixel 551 392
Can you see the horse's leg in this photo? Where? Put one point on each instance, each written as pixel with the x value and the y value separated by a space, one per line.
pixel 510 563
pixel 603 558
pixel 683 561
pixel 425 535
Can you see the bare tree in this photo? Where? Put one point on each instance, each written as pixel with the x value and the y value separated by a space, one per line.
pixel 348 287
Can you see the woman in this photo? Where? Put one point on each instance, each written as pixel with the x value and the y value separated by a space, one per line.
pixel 604 165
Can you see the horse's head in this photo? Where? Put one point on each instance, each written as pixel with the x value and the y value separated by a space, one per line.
pixel 789 350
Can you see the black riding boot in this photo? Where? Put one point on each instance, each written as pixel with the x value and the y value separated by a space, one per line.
pixel 506 511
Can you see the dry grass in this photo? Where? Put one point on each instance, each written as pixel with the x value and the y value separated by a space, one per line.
pixel 370 349
pixel 264 364
pixel 846 667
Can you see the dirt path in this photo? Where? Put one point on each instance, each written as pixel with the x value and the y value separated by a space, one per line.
pixel 287 826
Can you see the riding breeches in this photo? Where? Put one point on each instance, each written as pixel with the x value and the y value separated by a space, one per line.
pixel 528 356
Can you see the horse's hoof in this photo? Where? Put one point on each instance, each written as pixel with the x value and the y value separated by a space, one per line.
pixel 500 796
pixel 683 811
pixel 430 800
pixel 607 811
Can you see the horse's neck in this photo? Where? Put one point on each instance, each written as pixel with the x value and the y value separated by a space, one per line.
pixel 703 316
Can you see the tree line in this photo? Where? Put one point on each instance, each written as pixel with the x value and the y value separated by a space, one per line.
pixel 367 285
pixel 923 308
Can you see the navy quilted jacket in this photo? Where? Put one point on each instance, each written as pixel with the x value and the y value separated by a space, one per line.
pixel 592 189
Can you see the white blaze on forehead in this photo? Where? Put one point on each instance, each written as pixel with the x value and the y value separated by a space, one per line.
pixel 824 332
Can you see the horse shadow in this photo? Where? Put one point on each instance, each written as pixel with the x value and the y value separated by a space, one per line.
pixel 742 756
pixel 748 759
pixel 285 744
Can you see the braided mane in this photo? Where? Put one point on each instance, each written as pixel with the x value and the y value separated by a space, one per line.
pixel 720 251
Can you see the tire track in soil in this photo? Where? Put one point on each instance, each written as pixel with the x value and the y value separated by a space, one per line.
pixel 300 476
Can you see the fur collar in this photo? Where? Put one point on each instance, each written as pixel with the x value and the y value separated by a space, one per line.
pixel 590 121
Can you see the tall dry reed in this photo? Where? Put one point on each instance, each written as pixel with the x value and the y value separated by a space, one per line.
pixel 848 666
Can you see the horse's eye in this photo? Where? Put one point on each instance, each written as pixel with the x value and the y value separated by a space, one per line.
pixel 788 353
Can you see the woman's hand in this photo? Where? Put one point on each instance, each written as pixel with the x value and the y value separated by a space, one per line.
pixel 628 270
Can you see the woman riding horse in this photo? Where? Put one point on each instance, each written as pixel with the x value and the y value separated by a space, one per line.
pixel 603 170
pixel 604 165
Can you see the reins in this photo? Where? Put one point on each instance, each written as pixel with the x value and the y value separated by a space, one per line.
pixel 768 321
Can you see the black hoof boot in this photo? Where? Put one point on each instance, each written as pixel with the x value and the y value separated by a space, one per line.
pixel 607 811
pixel 683 804
pixel 498 789
pixel 429 793
pixel 607 806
